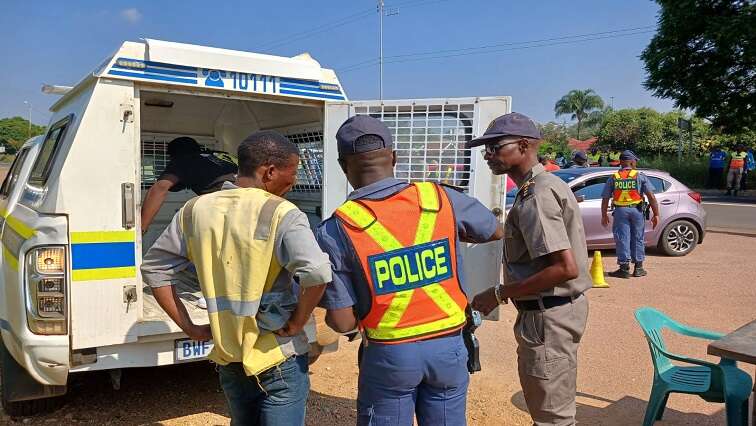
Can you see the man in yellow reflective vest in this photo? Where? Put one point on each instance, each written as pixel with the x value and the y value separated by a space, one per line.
pixel 735 173
pixel 249 246
pixel 626 189
pixel 594 157
pixel 394 247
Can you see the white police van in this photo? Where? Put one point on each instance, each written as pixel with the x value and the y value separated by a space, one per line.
pixel 71 295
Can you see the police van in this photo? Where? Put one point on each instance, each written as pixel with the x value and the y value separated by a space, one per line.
pixel 71 297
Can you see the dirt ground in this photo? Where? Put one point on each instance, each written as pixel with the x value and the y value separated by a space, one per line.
pixel 712 288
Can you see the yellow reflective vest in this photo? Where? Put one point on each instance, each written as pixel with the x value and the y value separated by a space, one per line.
pixel 230 237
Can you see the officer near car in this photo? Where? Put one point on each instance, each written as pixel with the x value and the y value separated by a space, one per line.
pixel 626 189
pixel 190 166
pixel 397 262
pixel 579 160
pixel 545 271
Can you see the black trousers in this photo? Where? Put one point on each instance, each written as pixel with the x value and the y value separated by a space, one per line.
pixel 715 178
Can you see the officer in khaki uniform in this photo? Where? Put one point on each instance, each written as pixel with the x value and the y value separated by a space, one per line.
pixel 546 271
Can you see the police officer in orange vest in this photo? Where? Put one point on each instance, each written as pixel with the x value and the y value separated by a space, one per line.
pixel 626 189
pixel 395 250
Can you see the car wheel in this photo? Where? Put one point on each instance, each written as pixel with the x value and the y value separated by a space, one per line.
pixel 679 238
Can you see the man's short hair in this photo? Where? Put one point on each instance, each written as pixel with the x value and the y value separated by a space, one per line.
pixel 264 148
pixel 183 146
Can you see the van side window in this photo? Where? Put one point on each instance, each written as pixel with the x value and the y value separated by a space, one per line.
pixel 41 169
pixel 12 177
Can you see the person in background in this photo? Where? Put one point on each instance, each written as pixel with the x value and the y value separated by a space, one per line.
pixel 614 158
pixel 579 160
pixel 735 173
pixel 262 273
pixel 550 155
pixel 604 157
pixel 717 159
pixel 626 188
pixel 547 164
pixel 594 157
pixel 189 167
pixel 750 165
pixel 561 160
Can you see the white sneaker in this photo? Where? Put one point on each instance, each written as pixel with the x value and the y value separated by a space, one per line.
pixel 202 303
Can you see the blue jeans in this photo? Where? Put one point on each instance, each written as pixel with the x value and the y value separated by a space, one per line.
pixel 280 397
pixel 428 378
pixel 628 228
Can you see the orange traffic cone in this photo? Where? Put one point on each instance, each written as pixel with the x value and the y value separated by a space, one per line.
pixel 597 271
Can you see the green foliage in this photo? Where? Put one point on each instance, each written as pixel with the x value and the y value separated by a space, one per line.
pixel 578 104
pixel 15 131
pixel 554 136
pixel 703 56
pixel 691 170
pixel 645 130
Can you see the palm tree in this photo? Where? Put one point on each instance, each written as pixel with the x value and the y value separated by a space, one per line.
pixel 578 104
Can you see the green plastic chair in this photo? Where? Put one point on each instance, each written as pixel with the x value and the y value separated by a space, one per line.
pixel 722 382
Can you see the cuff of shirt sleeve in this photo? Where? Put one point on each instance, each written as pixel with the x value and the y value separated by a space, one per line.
pixel 157 280
pixel 318 276
pixel 551 248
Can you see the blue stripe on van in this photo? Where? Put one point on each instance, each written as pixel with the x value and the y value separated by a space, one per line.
pixel 102 255
pixel 147 76
pixel 312 83
pixel 163 71
pixel 311 94
pixel 160 64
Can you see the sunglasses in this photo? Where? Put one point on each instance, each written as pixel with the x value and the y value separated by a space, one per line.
pixel 493 148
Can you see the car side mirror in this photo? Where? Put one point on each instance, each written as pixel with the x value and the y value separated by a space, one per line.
pixel 580 198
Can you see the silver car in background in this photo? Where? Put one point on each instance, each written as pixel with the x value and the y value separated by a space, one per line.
pixel 682 223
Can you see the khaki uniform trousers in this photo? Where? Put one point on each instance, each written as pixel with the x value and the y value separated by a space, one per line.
pixel 733 178
pixel 547 351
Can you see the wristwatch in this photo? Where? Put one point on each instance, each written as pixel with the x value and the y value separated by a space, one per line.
pixel 499 298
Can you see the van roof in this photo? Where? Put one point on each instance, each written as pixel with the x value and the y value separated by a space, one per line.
pixel 212 68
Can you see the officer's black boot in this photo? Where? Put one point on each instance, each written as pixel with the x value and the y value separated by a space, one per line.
pixel 622 272
pixel 639 271
pixel 729 191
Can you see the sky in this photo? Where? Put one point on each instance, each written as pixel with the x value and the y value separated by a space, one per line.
pixel 535 59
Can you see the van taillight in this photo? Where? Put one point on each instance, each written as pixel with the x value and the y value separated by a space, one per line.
pixel 46 290
pixel 695 196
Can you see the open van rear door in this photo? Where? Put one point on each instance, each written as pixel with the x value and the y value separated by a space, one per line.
pixel 429 140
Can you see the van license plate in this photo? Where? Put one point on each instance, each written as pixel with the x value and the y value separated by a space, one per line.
pixel 186 349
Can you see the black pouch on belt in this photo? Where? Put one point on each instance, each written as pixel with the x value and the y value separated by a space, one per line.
pixel 471 342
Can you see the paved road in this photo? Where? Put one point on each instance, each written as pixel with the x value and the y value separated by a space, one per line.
pixel 731 216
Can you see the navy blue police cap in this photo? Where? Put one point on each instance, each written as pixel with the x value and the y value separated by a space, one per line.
pixel 580 154
pixel 513 124
pixel 628 155
pixel 361 125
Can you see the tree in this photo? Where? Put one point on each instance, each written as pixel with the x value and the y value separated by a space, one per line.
pixel 554 136
pixel 703 57
pixel 578 104
pixel 15 131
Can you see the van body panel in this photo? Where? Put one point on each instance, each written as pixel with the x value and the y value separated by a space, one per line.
pixel 104 257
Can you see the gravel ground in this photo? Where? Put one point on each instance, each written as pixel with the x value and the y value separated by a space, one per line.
pixel 712 288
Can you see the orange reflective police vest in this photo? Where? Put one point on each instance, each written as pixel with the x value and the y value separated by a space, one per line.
pixel 737 161
pixel 406 245
pixel 626 190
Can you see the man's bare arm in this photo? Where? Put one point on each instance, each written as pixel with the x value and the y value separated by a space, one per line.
pixel 168 300
pixel 155 198
pixel 342 320
pixel 308 300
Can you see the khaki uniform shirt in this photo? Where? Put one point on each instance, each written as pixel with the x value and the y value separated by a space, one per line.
pixel 544 219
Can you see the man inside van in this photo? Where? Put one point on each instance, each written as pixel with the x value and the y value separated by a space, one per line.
pixel 249 246
pixel 189 167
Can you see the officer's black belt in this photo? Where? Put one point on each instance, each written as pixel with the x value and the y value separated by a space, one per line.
pixel 635 206
pixel 548 302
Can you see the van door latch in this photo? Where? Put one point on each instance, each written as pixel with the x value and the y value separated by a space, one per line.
pixel 129 295
pixel 127 113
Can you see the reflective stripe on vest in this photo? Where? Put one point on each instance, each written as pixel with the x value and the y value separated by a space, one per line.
pixel 626 190
pixel 394 256
pixel 738 160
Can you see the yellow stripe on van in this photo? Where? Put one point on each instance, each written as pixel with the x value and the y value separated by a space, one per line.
pixel 102 237
pixel 103 273
pixel 21 228
pixel 12 260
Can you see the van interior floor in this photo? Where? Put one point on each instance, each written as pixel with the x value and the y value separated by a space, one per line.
pixel 154 318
